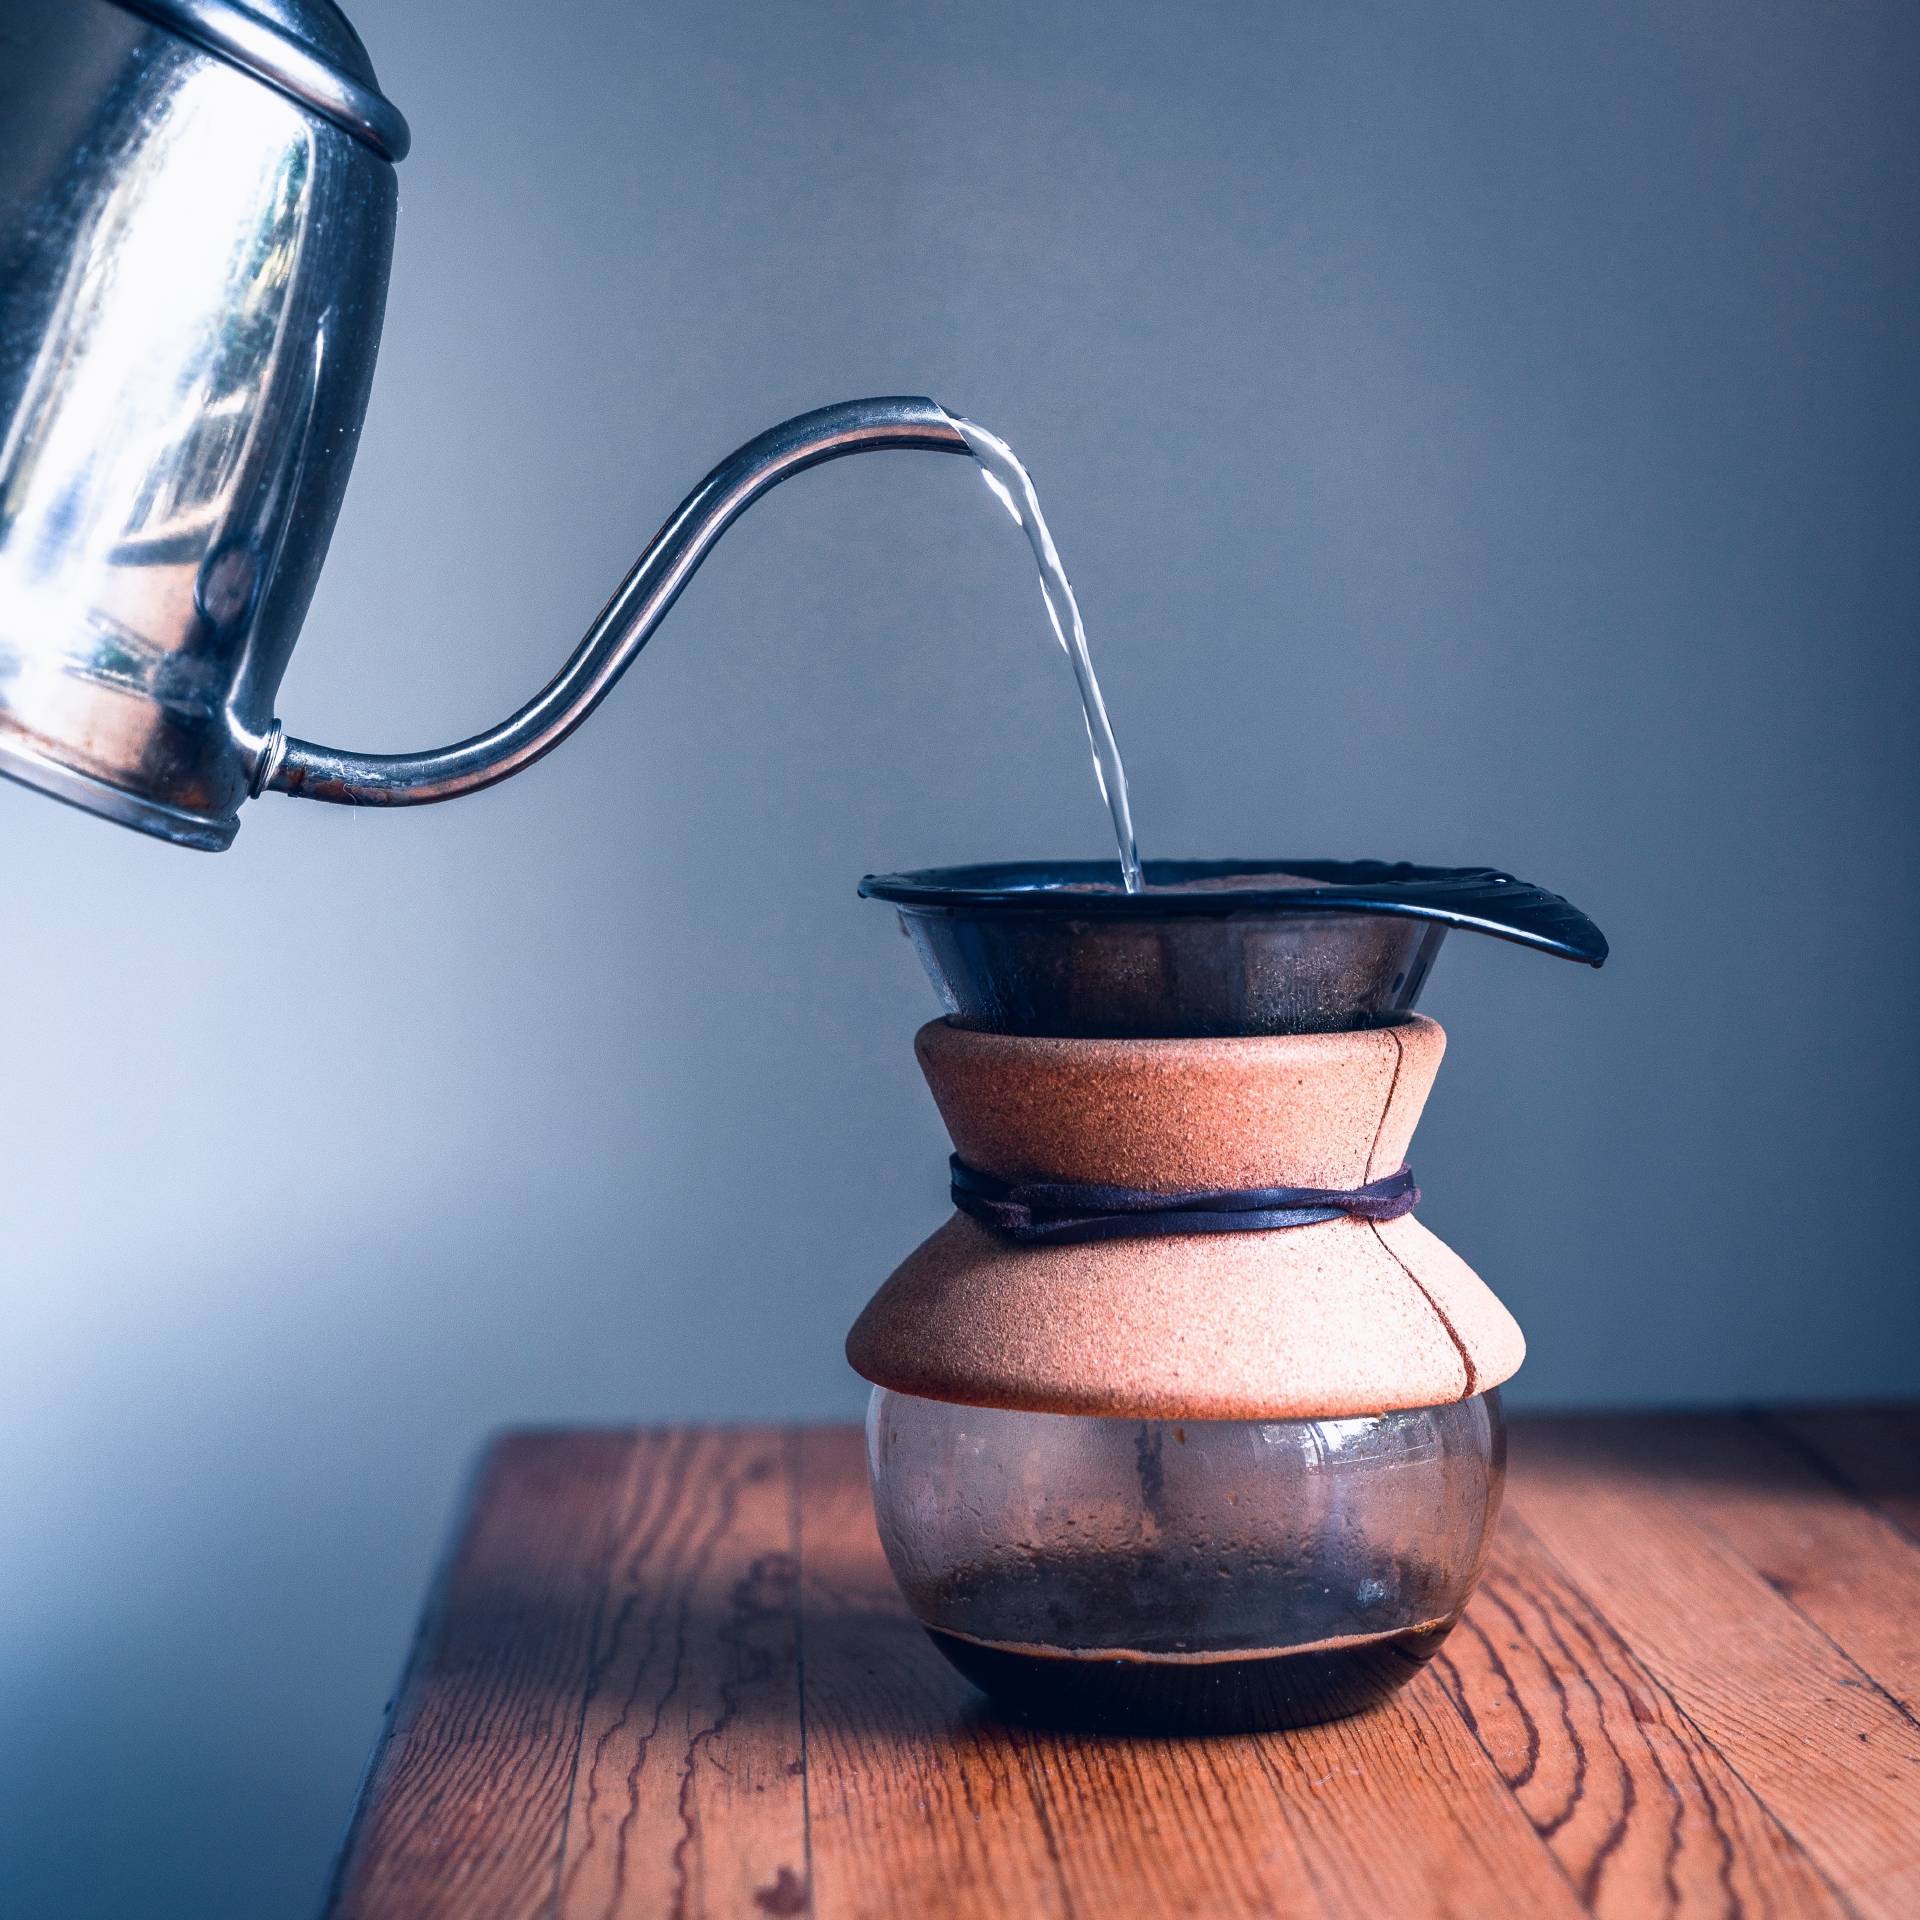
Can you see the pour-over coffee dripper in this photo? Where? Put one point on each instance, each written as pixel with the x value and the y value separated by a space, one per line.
pixel 1182 1420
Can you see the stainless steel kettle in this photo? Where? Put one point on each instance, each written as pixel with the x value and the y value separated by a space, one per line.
pixel 196 224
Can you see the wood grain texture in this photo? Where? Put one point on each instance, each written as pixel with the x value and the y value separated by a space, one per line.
pixel 465 1806
pixel 1635 1801
pixel 1872 1452
pixel 688 1789
pixel 1835 1561
pixel 1826 1748
pixel 669 1674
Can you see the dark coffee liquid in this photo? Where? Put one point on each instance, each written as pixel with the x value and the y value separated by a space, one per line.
pixel 1119 1643
pixel 1107 1692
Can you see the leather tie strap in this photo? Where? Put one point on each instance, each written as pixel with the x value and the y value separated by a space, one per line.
pixel 1057 1211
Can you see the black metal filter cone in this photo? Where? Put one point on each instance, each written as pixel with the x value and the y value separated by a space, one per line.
pixel 1209 946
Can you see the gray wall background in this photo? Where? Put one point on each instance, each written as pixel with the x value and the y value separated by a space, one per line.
pixel 1480 434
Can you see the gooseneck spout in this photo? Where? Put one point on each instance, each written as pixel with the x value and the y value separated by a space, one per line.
pixel 312 772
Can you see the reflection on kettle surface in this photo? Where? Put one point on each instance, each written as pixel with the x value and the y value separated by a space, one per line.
pixel 172 422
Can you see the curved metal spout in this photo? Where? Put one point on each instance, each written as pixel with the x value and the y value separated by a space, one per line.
pixel 312 772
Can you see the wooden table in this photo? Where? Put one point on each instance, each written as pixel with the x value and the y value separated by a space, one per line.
pixel 667 1674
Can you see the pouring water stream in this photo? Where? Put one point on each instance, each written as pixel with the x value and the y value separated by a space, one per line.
pixel 1013 486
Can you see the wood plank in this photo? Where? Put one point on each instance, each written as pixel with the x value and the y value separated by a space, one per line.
pixel 1842 1563
pixel 1165 1826
pixel 1399 1810
pixel 1873 1451
pixel 1390 1813
pixel 464 1808
pixel 919 1800
pixel 1832 1756
pixel 687 1794
pixel 1639 1807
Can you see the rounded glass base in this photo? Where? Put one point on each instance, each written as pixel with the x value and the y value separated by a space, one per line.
pixel 1187 1576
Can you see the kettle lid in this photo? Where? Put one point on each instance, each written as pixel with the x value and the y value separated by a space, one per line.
pixel 305 48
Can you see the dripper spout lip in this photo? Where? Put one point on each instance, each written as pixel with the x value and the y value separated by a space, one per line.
pixel 1474 899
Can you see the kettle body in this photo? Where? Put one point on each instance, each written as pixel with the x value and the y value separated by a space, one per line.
pixel 196 224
